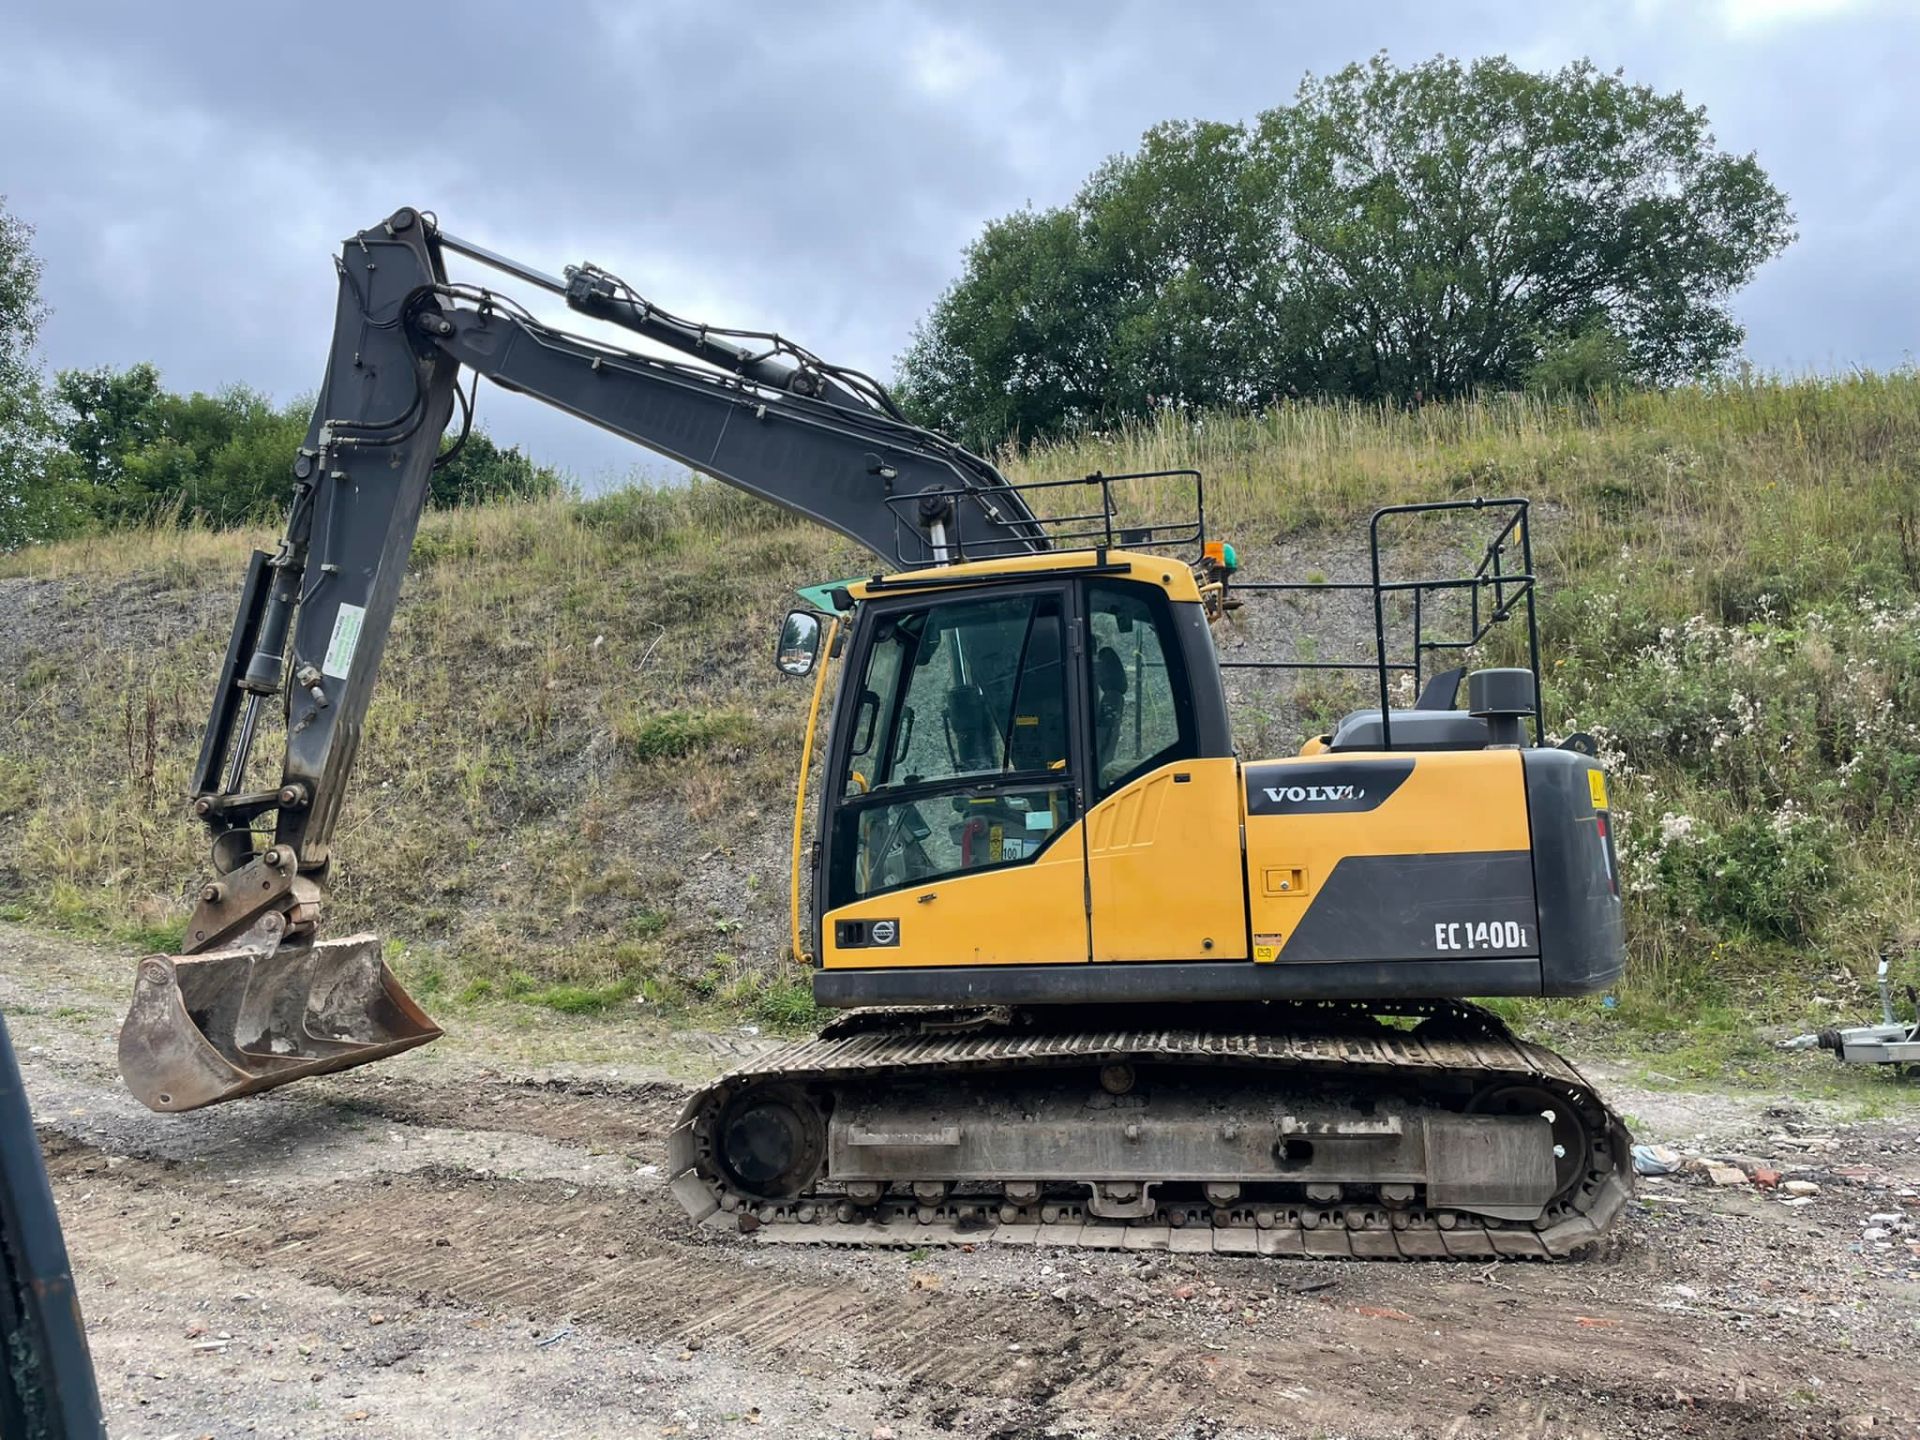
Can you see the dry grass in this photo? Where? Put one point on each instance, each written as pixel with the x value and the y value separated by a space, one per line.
pixel 573 777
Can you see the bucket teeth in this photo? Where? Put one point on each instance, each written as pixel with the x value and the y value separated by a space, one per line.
pixel 215 1026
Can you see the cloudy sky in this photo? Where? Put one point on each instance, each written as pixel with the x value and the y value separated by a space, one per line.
pixel 815 168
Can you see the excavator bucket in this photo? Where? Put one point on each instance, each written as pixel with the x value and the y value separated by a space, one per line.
pixel 216 1026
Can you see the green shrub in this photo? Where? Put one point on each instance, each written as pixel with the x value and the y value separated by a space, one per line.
pixel 1775 876
pixel 787 1004
pixel 1765 769
pixel 583 999
pixel 674 734
pixel 18 788
pixel 642 517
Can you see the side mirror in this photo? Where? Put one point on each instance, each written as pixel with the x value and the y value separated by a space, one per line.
pixel 799 647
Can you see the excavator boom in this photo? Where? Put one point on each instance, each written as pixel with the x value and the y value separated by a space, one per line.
pixel 256 1000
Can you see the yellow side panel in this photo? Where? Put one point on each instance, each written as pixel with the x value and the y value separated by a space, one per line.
pixel 1164 864
pixel 1033 914
pixel 1452 802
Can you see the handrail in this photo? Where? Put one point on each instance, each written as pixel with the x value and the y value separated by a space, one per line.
pixel 1511 589
pixel 800 951
pixel 1092 527
pixel 1502 606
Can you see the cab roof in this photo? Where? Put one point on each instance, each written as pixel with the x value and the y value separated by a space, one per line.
pixel 1172 576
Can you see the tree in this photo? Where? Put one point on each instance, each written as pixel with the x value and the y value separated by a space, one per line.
pixel 1391 235
pixel 105 417
pixel 481 471
pixel 130 450
pixel 133 450
pixel 1019 344
pixel 114 447
pixel 29 507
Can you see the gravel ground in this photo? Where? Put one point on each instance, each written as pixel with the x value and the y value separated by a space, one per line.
pixel 460 1243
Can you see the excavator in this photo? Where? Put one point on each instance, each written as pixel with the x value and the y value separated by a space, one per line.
pixel 1104 982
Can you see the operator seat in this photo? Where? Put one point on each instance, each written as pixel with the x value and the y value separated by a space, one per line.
pixel 1039 738
pixel 973 740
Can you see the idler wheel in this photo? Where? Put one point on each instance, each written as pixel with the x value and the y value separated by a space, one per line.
pixel 1572 1144
pixel 770 1141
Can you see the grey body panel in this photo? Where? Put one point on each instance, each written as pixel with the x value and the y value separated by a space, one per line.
pixel 1420 907
pixel 1583 944
pixel 1412 730
pixel 47 1389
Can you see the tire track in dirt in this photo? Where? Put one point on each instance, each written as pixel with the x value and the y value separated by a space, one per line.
pixel 1018 1362
pixel 593 1113
pixel 546 1249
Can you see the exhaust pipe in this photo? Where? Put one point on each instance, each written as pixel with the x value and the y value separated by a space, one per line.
pixel 216 1026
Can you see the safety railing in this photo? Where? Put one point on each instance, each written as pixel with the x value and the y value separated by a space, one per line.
pixel 1496 591
pixel 1082 513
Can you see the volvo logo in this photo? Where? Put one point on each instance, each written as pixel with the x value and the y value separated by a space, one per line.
pixel 885 932
pixel 1323 787
pixel 1314 794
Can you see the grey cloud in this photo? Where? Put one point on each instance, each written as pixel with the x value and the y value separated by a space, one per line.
pixel 818 169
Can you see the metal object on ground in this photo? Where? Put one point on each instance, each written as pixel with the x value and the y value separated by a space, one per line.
pixel 1303 1130
pixel 1891 1042
pixel 215 1026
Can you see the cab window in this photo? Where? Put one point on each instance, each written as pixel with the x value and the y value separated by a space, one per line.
pixel 967 688
pixel 958 759
pixel 1141 720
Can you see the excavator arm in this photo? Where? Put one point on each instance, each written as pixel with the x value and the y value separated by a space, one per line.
pixel 255 1000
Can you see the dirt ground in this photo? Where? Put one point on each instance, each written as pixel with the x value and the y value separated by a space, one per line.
pixel 466 1242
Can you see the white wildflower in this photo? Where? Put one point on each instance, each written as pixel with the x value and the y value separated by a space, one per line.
pixel 1676 828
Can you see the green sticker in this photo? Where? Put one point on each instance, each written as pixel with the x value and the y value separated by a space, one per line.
pixel 346 639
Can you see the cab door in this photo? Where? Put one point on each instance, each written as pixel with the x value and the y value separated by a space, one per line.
pixel 954 835
pixel 1165 876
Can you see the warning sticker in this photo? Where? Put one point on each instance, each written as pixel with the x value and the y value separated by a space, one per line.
pixel 346 639
pixel 1597 787
pixel 1266 949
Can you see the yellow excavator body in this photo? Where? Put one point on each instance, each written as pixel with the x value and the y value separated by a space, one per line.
pixel 1107 980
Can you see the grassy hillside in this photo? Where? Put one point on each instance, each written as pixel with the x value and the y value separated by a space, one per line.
pixel 575 785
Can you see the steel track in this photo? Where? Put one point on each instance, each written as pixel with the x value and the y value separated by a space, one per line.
pixel 1459 1046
